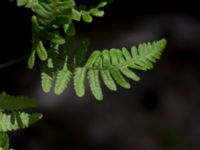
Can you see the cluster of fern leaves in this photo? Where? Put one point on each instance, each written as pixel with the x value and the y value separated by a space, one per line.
pixel 53 29
pixel 13 116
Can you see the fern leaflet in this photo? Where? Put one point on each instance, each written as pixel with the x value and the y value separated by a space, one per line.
pixel 79 85
pixel 17 120
pixel 63 79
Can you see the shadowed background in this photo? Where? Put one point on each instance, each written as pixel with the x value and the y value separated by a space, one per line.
pixel 161 112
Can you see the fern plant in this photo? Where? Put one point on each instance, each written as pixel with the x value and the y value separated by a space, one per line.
pixel 53 28
pixel 53 31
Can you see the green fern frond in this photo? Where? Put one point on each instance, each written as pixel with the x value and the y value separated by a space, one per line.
pixel 114 65
pixel 10 103
pixel 17 120
pixel 53 26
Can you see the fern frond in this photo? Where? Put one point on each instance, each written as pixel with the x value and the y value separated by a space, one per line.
pixel 17 120
pixel 114 65
pixel 8 102
pixel 53 26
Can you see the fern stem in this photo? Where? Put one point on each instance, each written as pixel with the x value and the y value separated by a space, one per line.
pixel 12 62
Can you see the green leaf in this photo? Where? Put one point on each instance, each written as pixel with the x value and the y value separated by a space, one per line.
pixel 94 82
pixel 8 102
pixel 50 63
pixel 31 60
pixel 79 78
pixel 113 64
pixel 96 12
pixel 120 79
pixel 63 79
pixel 126 54
pixel 130 74
pixel 30 3
pixel 4 141
pixel 41 51
pixel 87 17
pixel 102 4
pixel 64 5
pixel 93 57
pixel 40 10
pixel 105 74
pixel 17 120
pixel 108 80
pixel 21 2
pixel 76 15
pixel 58 39
pixel 47 78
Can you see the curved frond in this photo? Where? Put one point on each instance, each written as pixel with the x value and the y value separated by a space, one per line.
pixel 53 28
pixel 114 66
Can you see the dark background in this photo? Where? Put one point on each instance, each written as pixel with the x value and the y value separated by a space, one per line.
pixel 162 112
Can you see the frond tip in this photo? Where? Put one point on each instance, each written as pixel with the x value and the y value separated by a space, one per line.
pixel 112 66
